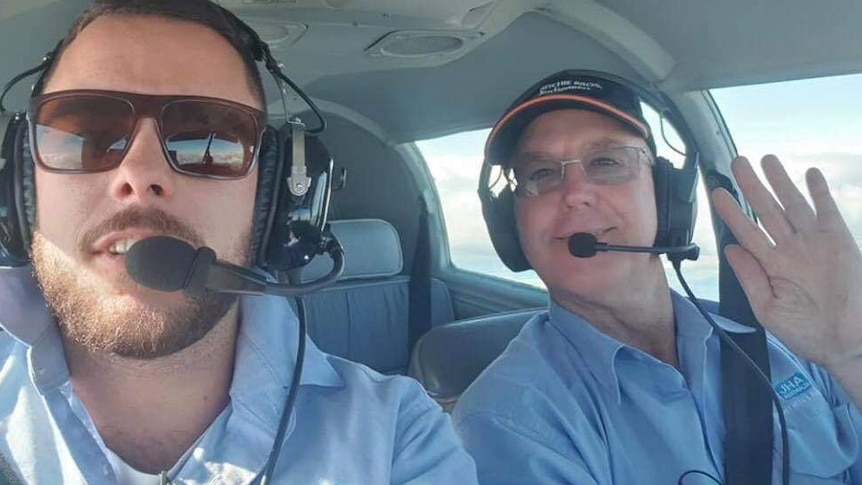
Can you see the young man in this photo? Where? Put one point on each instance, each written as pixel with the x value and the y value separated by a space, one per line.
pixel 105 381
pixel 619 382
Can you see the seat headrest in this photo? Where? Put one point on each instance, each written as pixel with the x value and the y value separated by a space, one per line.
pixel 372 249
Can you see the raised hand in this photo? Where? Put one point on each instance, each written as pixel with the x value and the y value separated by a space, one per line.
pixel 802 271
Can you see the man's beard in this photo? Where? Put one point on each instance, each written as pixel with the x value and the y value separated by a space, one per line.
pixel 89 314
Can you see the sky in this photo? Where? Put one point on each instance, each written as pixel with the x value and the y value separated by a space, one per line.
pixel 816 122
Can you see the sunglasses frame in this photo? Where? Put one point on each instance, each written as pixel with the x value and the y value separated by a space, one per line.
pixel 144 106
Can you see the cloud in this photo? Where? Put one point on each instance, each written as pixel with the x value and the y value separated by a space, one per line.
pixel 843 173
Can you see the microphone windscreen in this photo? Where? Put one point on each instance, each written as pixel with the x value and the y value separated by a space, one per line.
pixel 160 262
pixel 582 245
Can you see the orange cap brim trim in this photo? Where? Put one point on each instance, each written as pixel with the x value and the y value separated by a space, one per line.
pixel 565 97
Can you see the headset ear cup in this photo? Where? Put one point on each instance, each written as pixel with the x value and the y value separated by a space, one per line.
pixel 662 186
pixel 683 212
pixel 287 227
pixel 676 203
pixel 12 247
pixel 28 185
pixel 320 166
pixel 17 193
pixel 298 220
pixel 264 204
pixel 499 213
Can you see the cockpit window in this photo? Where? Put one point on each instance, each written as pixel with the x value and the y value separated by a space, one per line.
pixel 813 122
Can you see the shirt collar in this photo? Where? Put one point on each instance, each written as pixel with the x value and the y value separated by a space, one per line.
pixel 690 322
pixel 25 315
pixel 263 368
pixel 266 354
pixel 599 351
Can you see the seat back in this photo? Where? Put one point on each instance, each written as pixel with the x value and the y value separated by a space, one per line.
pixel 363 317
pixel 449 357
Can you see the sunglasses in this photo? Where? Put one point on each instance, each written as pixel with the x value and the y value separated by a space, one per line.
pixel 87 131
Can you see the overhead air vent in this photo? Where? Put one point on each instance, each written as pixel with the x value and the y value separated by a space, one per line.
pixel 422 44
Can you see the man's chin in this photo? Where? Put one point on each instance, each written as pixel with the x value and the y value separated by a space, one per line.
pixel 137 327
pixel 99 307
pixel 119 317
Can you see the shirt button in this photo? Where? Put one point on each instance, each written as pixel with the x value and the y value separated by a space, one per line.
pixel 198 454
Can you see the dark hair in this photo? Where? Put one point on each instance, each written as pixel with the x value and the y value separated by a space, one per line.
pixel 201 12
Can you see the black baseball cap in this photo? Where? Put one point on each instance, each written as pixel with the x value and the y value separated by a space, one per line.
pixel 588 90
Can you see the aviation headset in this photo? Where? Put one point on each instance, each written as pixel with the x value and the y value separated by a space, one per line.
pixel 674 187
pixel 290 212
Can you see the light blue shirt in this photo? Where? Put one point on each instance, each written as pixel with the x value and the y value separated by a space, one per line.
pixel 565 403
pixel 351 425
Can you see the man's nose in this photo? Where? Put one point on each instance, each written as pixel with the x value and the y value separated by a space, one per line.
pixel 576 189
pixel 144 174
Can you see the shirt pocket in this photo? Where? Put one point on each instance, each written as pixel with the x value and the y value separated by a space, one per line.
pixel 823 442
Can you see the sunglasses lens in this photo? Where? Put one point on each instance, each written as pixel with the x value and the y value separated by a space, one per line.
pixel 90 133
pixel 208 138
pixel 85 133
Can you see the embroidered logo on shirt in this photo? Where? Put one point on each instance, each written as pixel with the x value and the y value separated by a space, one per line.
pixel 794 386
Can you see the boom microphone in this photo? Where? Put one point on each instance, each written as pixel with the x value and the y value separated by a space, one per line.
pixel 168 264
pixel 585 245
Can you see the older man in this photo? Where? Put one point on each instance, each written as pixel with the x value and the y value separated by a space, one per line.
pixel 619 381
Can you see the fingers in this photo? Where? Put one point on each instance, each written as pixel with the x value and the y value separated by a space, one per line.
pixel 792 221
pixel 828 214
pixel 765 207
pixel 797 211
pixel 751 275
pixel 749 235
pixel 794 214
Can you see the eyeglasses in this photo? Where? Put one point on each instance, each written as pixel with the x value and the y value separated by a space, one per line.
pixel 607 166
pixel 85 131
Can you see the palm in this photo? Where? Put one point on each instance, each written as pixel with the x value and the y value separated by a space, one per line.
pixel 800 279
